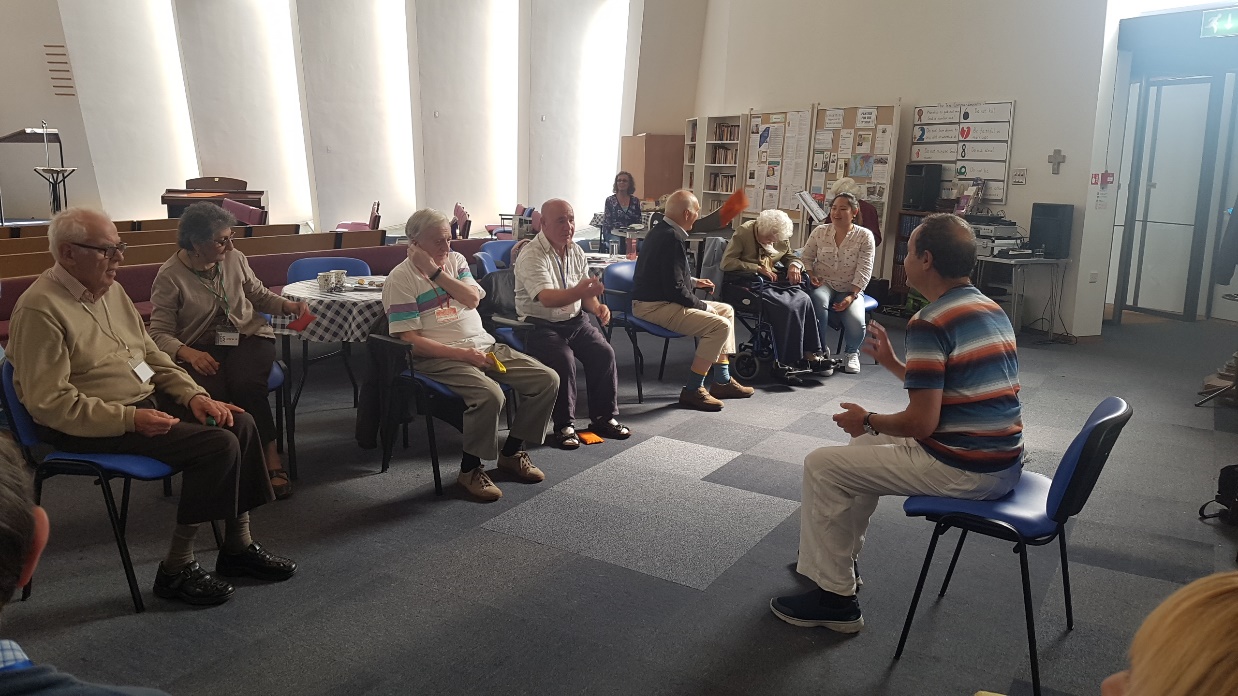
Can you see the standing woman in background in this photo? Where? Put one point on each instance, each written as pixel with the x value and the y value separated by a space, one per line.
pixel 207 316
pixel 839 259
pixel 622 209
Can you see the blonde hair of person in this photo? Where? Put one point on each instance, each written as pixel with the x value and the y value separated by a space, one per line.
pixel 422 220
pixel 775 221
pixel 1189 644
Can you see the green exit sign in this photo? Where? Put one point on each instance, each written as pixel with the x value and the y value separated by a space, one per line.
pixel 1220 23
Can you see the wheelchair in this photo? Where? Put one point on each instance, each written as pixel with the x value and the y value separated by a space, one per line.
pixel 761 349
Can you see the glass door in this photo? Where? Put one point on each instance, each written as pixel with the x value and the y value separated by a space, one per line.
pixel 1171 168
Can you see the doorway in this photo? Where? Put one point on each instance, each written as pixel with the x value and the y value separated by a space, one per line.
pixel 1177 158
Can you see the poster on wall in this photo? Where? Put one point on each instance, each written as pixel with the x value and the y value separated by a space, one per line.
pixel 979 134
pixel 940 113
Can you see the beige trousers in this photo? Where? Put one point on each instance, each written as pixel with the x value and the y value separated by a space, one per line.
pixel 841 488
pixel 715 328
pixel 536 387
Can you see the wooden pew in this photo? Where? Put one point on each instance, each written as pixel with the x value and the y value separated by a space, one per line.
pixel 360 238
pixel 164 224
pixel 283 244
pixel 15 265
pixel 22 245
pixel 26 231
pixel 274 230
pixel 148 237
pixel 149 253
pixel 124 225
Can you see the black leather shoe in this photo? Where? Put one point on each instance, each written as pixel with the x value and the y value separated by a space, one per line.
pixel 192 584
pixel 255 562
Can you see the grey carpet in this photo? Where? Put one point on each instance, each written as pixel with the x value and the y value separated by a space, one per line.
pixel 646 566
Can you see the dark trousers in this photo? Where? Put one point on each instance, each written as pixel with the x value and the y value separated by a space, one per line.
pixel 558 345
pixel 789 311
pixel 224 471
pixel 242 379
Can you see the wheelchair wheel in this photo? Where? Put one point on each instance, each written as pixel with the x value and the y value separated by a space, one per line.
pixel 745 365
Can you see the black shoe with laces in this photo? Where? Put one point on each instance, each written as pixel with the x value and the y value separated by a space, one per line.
pixel 820 608
pixel 256 562
pixel 192 584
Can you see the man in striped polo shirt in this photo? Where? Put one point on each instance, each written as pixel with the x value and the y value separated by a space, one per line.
pixel 960 436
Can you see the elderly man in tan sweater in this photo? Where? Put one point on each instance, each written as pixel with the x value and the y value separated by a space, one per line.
pixel 94 381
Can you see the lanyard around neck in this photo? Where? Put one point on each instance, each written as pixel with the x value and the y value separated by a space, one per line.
pixel 110 331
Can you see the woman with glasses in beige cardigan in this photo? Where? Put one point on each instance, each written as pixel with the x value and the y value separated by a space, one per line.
pixel 208 316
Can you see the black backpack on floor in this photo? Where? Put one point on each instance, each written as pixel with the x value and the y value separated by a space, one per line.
pixel 1226 497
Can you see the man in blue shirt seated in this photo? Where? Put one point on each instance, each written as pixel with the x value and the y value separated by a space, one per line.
pixel 23 535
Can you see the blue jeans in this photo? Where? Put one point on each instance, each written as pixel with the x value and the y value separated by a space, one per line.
pixel 852 319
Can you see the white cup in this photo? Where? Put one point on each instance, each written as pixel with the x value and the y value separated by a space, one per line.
pixel 339 277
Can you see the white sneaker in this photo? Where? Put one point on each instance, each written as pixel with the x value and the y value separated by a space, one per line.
pixel 852 363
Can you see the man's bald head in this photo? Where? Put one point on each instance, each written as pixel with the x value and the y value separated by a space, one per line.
pixel 558 223
pixel 554 206
pixel 951 242
pixel 683 207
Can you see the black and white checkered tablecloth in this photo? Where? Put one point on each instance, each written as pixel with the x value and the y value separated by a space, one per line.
pixel 342 316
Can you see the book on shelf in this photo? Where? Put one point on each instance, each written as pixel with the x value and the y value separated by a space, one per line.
pixel 692 132
pixel 723 183
pixel 723 155
pixel 726 131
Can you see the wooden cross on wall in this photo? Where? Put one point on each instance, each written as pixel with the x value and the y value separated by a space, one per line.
pixel 1056 159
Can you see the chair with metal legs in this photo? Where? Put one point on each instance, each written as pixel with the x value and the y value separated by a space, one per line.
pixel 1033 514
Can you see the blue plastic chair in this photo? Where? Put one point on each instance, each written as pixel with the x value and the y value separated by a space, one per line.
pixel 618 280
pixel 485 263
pixel 307 269
pixel 500 250
pixel 589 246
pixel 431 398
pixel 1033 514
pixel 102 467
pixel 285 421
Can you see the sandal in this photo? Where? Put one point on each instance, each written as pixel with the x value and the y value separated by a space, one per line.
pixel 280 483
pixel 565 438
pixel 610 429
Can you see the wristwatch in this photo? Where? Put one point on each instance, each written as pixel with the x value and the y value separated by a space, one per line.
pixel 436 274
pixel 868 425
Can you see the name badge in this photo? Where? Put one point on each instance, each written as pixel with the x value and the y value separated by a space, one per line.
pixel 446 315
pixel 227 338
pixel 141 369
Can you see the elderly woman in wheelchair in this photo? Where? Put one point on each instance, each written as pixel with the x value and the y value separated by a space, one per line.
pixel 763 281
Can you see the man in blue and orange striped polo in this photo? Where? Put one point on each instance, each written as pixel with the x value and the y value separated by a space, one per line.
pixel 960 436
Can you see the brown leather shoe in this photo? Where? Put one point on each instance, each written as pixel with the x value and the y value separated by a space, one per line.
pixel 479 485
pixel 730 390
pixel 521 466
pixel 699 399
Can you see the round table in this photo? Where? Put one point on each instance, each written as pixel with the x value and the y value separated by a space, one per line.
pixel 345 316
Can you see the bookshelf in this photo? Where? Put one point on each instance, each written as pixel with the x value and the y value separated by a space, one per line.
pixel 723 153
pixel 689 154
pixel 908 220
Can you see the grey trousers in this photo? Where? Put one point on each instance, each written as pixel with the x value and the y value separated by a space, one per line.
pixel 536 387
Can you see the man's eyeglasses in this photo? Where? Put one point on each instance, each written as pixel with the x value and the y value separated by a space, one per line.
pixel 108 252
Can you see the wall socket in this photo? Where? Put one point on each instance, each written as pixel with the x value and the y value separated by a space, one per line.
pixel 1093 277
pixel 1020 176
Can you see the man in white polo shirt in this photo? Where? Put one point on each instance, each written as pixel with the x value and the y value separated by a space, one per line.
pixel 554 291
pixel 431 302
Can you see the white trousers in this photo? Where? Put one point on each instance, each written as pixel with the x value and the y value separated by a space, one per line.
pixel 841 488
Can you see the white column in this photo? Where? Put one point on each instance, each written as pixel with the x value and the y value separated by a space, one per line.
pixel 577 55
pixel 244 102
pixel 132 96
pixel 355 69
